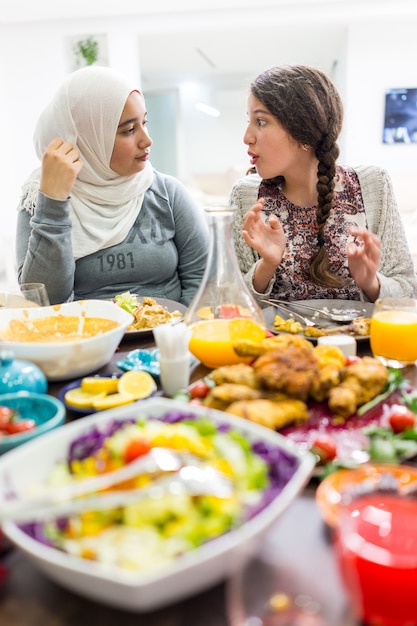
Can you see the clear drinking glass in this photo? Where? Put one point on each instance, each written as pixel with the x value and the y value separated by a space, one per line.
pixel 35 292
pixel 393 333
pixel 376 549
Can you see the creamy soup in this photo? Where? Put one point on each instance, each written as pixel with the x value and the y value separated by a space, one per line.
pixel 56 328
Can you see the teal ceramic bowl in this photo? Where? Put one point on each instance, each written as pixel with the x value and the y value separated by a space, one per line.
pixel 47 411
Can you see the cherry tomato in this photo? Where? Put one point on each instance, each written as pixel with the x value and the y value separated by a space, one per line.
pixel 20 426
pixel 199 389
pixel 325 448
pixel 350 360
pixel 4 422
pixel 7 416
pixel 401 418
pixel 135 449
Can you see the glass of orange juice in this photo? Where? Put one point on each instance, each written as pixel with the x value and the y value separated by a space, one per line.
pixel 393 333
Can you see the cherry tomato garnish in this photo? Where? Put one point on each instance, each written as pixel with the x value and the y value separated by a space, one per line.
pixel 6 412
pixel 325 448
pixel 401 418
pixel 199 389
pixel 350 360
pixel 20 426
pixel 135 449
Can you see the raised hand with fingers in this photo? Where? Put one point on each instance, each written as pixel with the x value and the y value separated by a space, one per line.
pixel 364 256
pixel 60 167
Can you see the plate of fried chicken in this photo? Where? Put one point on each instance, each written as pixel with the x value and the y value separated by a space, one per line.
pixel 302 390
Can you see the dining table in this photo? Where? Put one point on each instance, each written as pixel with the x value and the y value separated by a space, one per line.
pixel 296 561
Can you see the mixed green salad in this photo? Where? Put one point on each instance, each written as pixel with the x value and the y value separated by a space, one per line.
pixel 148 534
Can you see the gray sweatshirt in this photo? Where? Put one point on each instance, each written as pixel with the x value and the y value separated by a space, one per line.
pixel 164 254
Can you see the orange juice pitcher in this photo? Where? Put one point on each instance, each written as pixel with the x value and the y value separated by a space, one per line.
pixel 223 310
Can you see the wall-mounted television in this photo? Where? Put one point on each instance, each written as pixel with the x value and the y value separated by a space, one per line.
pixel 400 121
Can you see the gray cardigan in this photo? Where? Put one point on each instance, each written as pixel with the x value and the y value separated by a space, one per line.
pixel 396 273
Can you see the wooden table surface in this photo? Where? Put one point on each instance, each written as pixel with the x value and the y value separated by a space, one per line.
pixel 296 558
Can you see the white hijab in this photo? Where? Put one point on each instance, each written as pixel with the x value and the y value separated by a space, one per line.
pixel 86 111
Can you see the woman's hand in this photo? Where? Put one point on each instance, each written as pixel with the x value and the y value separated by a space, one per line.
pixel 268 239
pixel 60 167
pixel 364 257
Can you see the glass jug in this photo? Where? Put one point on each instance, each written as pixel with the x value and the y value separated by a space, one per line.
pixel 222 310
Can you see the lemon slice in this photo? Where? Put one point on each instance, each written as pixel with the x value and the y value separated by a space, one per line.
pixel 99 384
pixel 81 399
pixel 137 383
pixel 113 400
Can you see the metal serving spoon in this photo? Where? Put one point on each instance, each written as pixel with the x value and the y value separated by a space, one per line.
pixel 296 316
pixel 177 472
pixel 345 315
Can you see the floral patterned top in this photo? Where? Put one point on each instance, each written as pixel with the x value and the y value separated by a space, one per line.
pixel 293 281
pixel 366 187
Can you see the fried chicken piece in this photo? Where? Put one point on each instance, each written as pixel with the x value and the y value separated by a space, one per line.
pixel 221 396
pixel 246 347
pixel 314 331
pixel 358 327
pixel 271 414
pixel 291 370
pixel 361 326
pixel 331 362
pixel 239 374
pixel 361 382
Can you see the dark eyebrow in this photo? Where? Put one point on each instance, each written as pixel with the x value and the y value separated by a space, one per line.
pixel 264 111
pixel 127 122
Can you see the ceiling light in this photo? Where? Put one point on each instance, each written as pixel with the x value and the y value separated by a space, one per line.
pixel 205 108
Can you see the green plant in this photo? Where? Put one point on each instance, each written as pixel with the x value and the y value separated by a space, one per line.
pixel 87 49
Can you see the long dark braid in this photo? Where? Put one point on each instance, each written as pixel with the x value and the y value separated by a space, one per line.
pixel 307 104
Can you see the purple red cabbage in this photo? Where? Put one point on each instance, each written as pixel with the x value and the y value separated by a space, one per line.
pixel 86 445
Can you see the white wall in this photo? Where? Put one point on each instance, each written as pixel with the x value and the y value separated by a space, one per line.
pixel 34 59
pixel 380 55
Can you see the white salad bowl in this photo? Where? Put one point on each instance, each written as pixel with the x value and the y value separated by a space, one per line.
pixel 188 574
pixel 66 359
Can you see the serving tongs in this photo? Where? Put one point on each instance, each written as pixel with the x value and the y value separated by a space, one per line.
pixel 345 315
pixel 178 473
pixel 278 304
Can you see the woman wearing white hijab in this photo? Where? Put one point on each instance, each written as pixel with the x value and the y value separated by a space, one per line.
pixel 96 219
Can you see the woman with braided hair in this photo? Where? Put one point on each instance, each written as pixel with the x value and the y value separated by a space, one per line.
pixel 306 227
